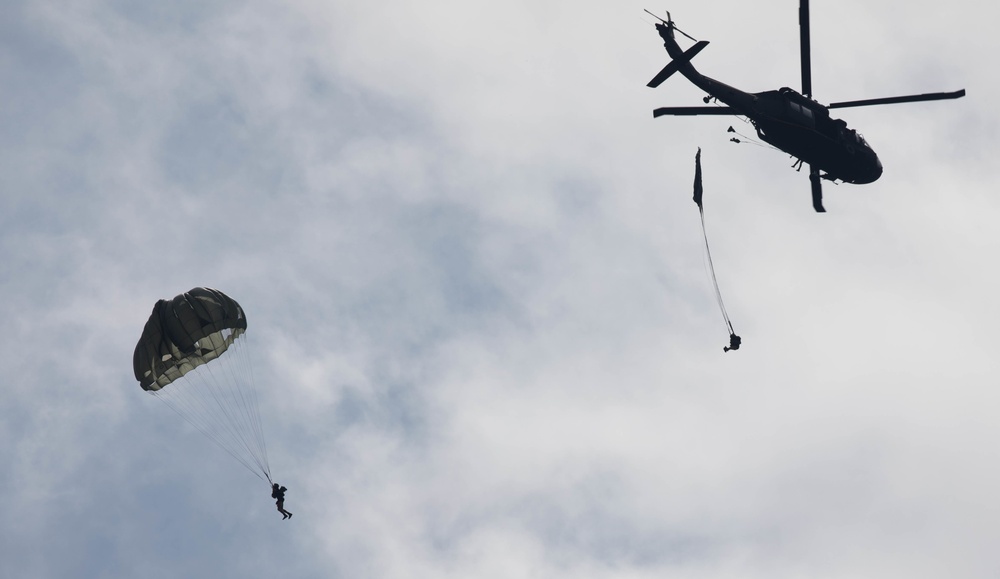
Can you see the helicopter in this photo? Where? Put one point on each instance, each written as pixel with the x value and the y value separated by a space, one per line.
pixel 791 121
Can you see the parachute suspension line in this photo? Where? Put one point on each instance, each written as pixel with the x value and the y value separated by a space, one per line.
pixel 241 409
pixel 715 281
pixel 222 406
pixel 253 403
pixel 203 413
pixel 187 415
pixel 231 401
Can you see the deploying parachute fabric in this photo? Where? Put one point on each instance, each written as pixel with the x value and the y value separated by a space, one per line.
pixel 698 192
pixel 193 356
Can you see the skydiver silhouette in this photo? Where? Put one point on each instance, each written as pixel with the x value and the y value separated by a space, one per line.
pixel 734 343
pixel 279 494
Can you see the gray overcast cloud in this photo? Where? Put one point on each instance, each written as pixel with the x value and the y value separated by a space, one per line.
pixel 485 341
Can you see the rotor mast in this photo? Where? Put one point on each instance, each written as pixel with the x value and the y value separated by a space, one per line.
pixel 804 44
pixel 806 62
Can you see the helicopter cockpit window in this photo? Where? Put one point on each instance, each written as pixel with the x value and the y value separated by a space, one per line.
pixel 803 112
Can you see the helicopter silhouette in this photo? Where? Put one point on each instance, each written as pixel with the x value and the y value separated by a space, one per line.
pixel 791 121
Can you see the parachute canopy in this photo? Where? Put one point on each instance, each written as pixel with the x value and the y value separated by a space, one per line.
pixel 193 355
pixel 192 329
pixel 699 190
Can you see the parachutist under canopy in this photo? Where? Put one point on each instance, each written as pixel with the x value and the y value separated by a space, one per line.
pixel 199 336
pixel 279 494
pixel 734 343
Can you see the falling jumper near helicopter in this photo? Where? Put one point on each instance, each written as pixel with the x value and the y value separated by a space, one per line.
pixel 791 121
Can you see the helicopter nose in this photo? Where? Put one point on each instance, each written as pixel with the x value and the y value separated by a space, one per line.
pixel 871 173
pixel 878 169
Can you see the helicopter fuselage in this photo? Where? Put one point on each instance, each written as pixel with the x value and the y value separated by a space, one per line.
pixel 791 122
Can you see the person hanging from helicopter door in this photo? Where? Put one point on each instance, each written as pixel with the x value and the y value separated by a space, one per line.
pixel 734 343
pixel 734 340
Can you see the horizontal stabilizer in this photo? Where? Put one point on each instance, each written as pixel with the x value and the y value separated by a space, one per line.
pixel 675 64
pixel 689 111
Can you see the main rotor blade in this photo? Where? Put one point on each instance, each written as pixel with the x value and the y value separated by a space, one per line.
pixel 689 111
pixel 931 96
pixel 817 189
pixel 804 47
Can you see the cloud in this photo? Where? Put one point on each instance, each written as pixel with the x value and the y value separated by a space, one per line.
pixel 485 341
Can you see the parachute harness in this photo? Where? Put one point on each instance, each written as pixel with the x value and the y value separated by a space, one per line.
pixel 698 192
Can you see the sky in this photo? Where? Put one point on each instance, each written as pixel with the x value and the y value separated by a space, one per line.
pixel 484 337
